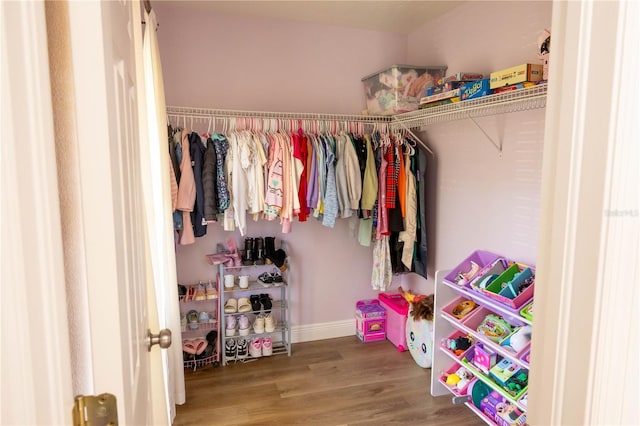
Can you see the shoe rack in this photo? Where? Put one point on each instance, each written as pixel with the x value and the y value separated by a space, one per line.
pixel 239 286
pixel 482 332
pixel 200 325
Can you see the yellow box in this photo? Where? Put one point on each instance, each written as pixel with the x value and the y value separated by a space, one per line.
pixel 514 75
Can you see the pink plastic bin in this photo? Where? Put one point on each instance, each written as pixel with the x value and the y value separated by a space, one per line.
pixel 397 310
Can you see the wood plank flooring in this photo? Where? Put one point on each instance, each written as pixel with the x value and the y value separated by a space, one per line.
pixel 328 382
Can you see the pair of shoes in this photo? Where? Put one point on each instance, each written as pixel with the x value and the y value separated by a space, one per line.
pixel 258 251
pixel 278 258
pixel 243 325
pixel 182 291
pixel 195 346
pixel 201 293
pixel 258 300
pixel 211 291
pixel 208 351
pixel 230 349
pixel 233 305
pixel 269 249
pixel 264 323
pixel 247 258
pixel 269 323
pixel 236 350
pixel 192 319
pixel 212 337
pixel 230 325
pixel 203 317
pixel 261 346
pixel 267 279
pixel 190 293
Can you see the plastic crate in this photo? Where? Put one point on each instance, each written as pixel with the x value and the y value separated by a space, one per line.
pixel 397 309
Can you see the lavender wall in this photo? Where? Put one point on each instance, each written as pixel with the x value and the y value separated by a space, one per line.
pixel 266 64
pixel 230 62
pixel 480 199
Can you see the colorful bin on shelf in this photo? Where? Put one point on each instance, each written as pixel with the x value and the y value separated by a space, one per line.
pixel 370 320
pixel 466 268
pixel 504 289
pixel 397 309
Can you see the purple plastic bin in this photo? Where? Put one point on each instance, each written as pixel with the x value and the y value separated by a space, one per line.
pixel 480 257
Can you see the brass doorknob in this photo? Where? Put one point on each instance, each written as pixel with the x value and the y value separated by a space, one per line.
pixel 163 339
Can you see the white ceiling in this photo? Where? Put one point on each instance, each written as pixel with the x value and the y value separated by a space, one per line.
pixel 391 16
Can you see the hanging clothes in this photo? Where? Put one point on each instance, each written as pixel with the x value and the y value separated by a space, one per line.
pixel 221 146
pixel 209 173
pixel 408 236
pixel 186 192
pixel 381 271
pixel 196 151
pixel 330 199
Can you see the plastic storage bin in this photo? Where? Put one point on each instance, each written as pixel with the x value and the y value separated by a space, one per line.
pixel 397 309
pixel 398 89
pixel 479 257
pixel 370 320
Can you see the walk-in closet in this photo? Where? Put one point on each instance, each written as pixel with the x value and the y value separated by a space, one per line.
pixel 480 177
pixel 131 297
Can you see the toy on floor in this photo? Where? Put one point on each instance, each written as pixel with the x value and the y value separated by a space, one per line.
pixel 419 327
pixel 421 305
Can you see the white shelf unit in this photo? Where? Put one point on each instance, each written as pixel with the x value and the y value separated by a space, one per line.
pixel 501 103
pixel 444 326
pixel 200 330
pixel 280 309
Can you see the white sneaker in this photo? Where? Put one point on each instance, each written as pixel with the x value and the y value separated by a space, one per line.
pixel 258 325
pixel 269 323
pixel 230 329
pixel 255 347
pixel 243 325
pixel 267 346
pixel 230 350
pixel 242 350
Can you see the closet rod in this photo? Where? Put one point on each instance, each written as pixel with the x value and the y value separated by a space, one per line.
pixel 224 113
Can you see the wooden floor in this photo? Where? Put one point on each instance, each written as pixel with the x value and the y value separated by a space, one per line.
pixel 328 382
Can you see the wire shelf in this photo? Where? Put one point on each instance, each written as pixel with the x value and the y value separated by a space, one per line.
pixel 512 101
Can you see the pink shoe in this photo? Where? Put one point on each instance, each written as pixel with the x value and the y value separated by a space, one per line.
pixel 233 252
pixel 267 346
pixel 255 348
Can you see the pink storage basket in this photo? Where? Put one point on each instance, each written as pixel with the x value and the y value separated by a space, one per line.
pixel 397 310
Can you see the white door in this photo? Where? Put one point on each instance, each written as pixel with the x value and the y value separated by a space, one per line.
pixel 106 48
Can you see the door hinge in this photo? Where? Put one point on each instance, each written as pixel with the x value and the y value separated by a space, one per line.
pixel 100 410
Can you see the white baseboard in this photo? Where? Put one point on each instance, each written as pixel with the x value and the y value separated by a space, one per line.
pixel 324 330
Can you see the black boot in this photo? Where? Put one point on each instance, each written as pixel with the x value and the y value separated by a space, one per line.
pixel 248 252
pixel 270 248
pixel 258 250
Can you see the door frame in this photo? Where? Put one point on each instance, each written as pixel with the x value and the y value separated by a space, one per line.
pixel 584 350
pixel 36 366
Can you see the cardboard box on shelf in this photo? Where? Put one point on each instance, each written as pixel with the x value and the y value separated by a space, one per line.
pixel 440 96
pixel 475 89
pixel 517 74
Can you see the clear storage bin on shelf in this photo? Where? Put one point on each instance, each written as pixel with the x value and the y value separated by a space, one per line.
pixel 398 88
